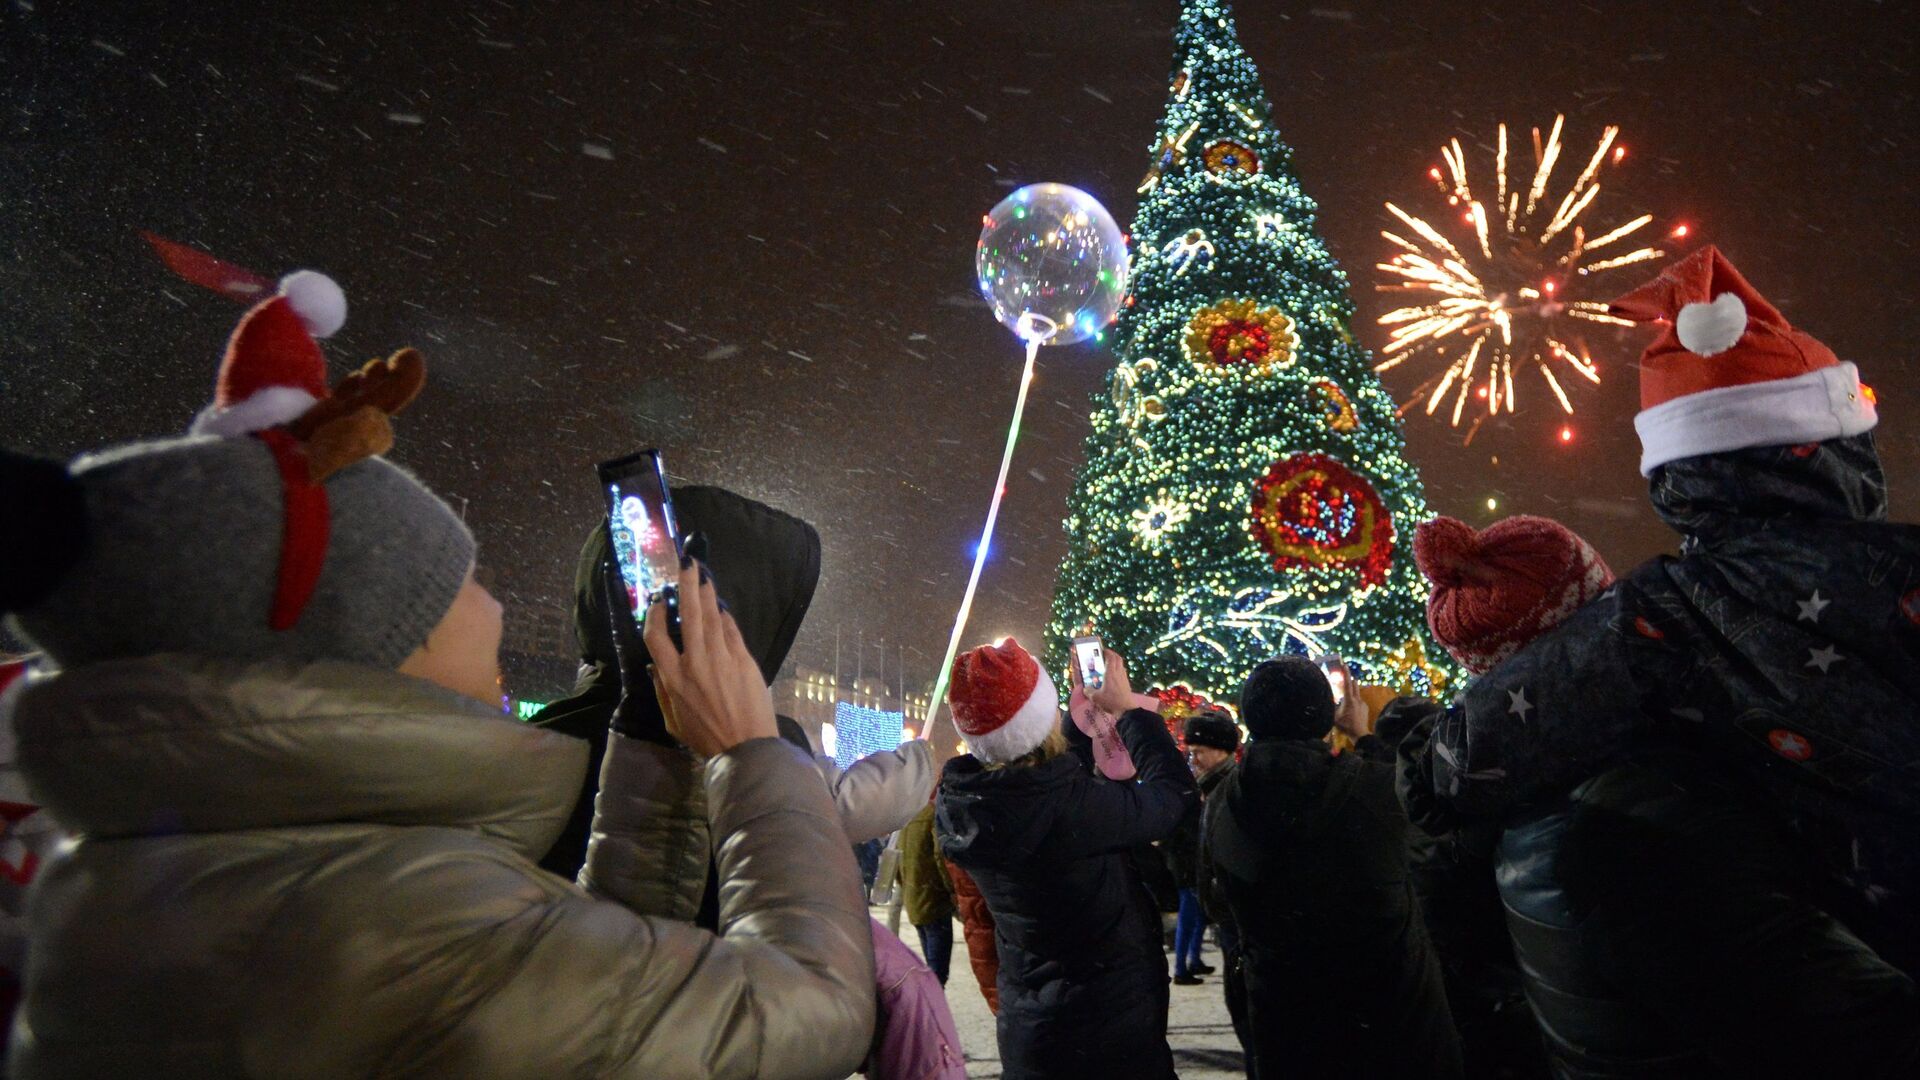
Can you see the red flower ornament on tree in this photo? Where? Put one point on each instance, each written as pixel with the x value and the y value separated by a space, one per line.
pixel 1311 511
pixel 1241 334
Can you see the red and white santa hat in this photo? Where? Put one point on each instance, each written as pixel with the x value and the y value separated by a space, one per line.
pixel 273 370
pixel 1002 702
pixel 1729 372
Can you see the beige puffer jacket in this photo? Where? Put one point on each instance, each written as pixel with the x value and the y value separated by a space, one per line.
pixel 326 871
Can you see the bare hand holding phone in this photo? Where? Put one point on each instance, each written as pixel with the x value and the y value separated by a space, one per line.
pixel 718 697
pixel 1350 714
pixel 1115 694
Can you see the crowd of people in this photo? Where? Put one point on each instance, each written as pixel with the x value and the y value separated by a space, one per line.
pixel 1671 828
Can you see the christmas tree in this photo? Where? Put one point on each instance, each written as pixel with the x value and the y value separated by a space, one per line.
pixel 1245 491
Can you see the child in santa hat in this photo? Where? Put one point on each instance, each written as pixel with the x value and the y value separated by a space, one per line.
pixel 1772 658
pixel 303 831
pixel 1083 982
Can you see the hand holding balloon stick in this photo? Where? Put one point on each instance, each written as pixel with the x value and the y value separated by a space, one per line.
pixel 1053 264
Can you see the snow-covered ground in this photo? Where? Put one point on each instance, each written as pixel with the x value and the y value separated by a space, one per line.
pixel 1198 1029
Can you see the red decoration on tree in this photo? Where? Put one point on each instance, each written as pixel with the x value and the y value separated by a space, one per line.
pixel 1309 510
pixel 1241 333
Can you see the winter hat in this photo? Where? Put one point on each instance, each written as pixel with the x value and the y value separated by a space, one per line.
pixel 1728 372
pixel 1287 698
pixel 1497 589
pixel 184 552
pixel 273 370
pixel 1214 728
pixel 1003 704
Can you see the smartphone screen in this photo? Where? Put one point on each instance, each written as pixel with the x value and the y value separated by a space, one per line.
pixel 640 526
pixel 1090 654
pixel 1332 667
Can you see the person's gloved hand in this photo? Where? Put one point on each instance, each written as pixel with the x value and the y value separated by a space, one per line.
pixel 719 699
pixel 638 715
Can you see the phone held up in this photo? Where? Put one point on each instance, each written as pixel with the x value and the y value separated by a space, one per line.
pixel 1090 655
pixel 643 537
pixel 1334 669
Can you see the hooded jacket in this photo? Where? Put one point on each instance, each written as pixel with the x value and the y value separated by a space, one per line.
pixel 765 564
pixel 1311 851
pixel 1779 645
pixel 326 870
pixel 1083 981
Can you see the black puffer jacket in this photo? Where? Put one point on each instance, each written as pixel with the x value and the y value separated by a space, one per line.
pixel 765 565
pixel 1453 877
pixel 1083 980
pixel 1341 981
pixel 1779 646
pixel 1669 929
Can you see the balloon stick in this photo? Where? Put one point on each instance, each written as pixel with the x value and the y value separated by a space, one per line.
pixel 1034 329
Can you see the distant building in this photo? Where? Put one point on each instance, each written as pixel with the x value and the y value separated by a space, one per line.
pixel 820 706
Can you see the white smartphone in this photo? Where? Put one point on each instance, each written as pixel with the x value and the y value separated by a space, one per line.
pixel 1090 654
pixel 1333 668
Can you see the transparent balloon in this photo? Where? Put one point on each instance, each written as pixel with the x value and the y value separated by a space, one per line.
pixel 1053 264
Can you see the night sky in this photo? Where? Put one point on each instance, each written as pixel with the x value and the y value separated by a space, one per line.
pixel 743 231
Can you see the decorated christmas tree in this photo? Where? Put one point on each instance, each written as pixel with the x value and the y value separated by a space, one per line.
pixel 1245 491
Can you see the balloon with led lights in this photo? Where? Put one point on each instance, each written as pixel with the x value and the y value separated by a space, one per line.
pixel 1052 263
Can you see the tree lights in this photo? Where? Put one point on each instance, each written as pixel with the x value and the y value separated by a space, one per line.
pixel 1245 491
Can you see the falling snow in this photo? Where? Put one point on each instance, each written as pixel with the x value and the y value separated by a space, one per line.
pixel 749 241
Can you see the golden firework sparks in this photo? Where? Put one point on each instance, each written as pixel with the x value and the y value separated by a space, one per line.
pixel 1502 294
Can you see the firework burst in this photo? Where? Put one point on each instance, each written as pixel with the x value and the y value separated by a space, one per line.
pixel 1510 291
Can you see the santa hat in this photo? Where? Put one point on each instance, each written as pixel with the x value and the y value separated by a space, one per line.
pixel 273 370
pixel 1497 589
pixel 1002 702
pixel 1729 372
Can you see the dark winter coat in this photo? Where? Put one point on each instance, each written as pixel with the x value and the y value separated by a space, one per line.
pixel 1453 878
pixel 1083 980
pixel 1669 928
pixel 1182 849
pixel 765 564
pixel 1780 646
pixel 1341 981
pixel 1207 882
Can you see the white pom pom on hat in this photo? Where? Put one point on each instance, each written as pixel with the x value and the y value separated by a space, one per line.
pixel 273 370
pixel 1711 329
pixel 317 299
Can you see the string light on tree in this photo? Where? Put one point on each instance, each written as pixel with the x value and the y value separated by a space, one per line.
pixel 1509 288
pixel 1245 491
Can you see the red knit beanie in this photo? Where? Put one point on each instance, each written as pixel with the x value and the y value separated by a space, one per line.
pixel 1497 589
pixel 1002 702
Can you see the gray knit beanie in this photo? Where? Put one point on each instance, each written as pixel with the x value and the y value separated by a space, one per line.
pixel 183 548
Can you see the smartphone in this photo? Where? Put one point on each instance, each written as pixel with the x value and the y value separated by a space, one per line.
pixel 1334 669
pixel 1090 653
pixel 643 536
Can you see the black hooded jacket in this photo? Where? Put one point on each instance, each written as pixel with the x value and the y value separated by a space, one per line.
pixel 765 566
pixel 1311 851
pixel 1782 645
pixel 1083 981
